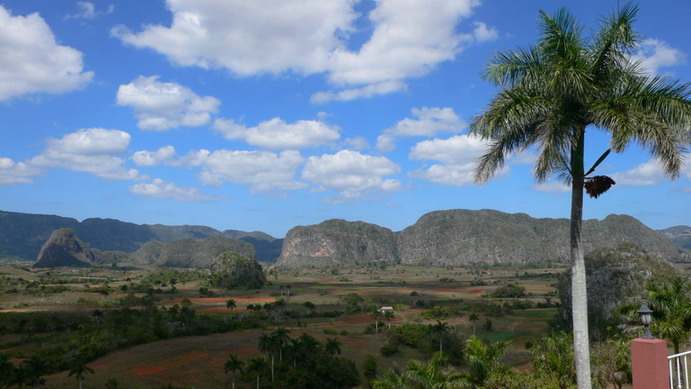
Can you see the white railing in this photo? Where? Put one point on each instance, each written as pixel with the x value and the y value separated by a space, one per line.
pixel 679 371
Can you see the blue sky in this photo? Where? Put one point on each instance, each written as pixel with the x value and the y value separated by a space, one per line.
pixel 267 114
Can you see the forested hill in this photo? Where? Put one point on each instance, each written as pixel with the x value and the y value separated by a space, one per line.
pixel 461 237
pixel 22 235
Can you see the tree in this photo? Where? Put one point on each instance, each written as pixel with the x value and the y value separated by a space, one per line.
pixel 281 339
pixel 233 365
pixel 230 304
pixel 78 369
pixel 267 345
pixel 474 319
pixel 552 92
pixel 256 366
pixel 483 359
pixel 671 305
pixel 439 330
pixel 310 307
pixel 432 375
pixel 332 346
pixel 553 358
pixel 388 316
pixel 377 315
pixel 36 367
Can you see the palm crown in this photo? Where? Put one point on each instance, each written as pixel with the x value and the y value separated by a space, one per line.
pixel 551 92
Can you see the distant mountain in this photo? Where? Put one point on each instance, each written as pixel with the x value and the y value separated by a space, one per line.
pixel 63 248
pixel 190 253
pixel 679 235
pixel 22 235
pixel 461 237
pixel 337 243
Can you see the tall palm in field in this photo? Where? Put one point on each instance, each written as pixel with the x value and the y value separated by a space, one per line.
pixel 79 369
pixel 332 346
pixel 567 83
pixel 439 330
pixel 233 365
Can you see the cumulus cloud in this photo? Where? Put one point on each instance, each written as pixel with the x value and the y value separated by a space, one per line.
pixel 276 134
pixel 91 150
pixel 163 156
pixel 483 33
pixel 261 170
pixel 352 174
pixel 160 189
pixel 32 60
pixel 248 38
pixel 458 155
pixel 428 122
pixel 654 54
pixel 12 172
pixel 409 39
pixel 648 173
pixel 160 106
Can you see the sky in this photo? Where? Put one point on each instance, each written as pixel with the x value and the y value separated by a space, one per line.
pixel 267 114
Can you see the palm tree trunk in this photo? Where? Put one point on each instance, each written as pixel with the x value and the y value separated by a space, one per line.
pixel 579 293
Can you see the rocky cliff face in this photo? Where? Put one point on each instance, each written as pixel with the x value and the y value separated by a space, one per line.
pixel 63 248
pixel 190 253
pixel 458 237
pixel 338 243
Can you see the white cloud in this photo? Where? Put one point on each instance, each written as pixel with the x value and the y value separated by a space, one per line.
pixel 552 186
pixel 458 155
pixel 654 54
pixel 648 173
pixel 261 170
pixel 428 122
pixel 12 172
pixel 160 106
pixel 87 10
pixel 482 33
pixel 160 189
pixel 91 150
pixel 371 90
pixel 357 143
pixel 33 62
pixel 277 134
pixel 352 174
pixel 247 38
pixel 409 39
pixel 162 156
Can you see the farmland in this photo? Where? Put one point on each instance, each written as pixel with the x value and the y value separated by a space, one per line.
pixel 325 304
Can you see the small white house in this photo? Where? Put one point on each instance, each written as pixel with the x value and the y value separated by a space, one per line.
pixel 385 309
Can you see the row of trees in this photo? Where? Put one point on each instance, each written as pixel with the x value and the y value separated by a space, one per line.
pixel 301 362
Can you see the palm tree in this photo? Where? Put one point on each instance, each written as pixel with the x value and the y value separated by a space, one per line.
pixel 418 375
pixel 233 365
pixel 439 330
pixel 474 318
pixel 257 366
pixel 267 345
pixel 552 92
pixel 388 316
pixel 36 367
pixel 78 369
pixel 230 304
pixel 332 346
pixel 483 359
pixel 671 307
pixel 377 315
pixel 281 339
